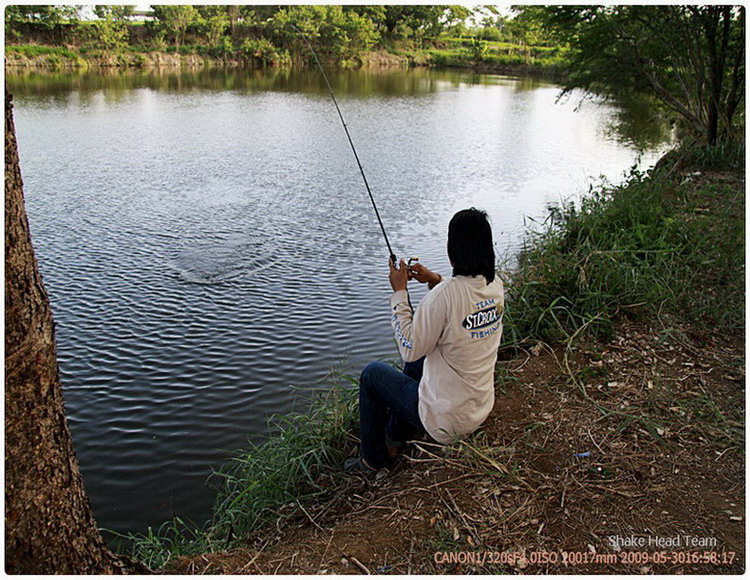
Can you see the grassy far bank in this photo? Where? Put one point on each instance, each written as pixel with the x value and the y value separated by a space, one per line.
pixel 623 339
pixel 269 36
pixel 56 58
pixel 499 56
pixel 452 53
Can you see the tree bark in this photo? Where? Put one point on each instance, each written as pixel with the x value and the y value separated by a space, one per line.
pixel 736 91
pixel 49 526
pixel 233 12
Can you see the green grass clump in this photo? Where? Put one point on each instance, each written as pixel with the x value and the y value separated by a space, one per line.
pixel 41 55
pixel 662 244
pixel 157 547
pixel 506 59
pixel 35 50
pixel 468 52
pixel 296 464
pixel 449 57
pixel 724 156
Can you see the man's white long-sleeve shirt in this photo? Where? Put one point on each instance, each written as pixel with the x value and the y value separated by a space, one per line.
pixel 457 326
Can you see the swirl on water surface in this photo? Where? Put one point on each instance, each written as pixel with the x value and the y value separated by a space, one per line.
pixel 222 259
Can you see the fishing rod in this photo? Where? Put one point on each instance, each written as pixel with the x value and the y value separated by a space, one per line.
pixel 354 150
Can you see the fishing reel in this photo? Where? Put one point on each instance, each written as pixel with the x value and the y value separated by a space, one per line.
pixel 409 262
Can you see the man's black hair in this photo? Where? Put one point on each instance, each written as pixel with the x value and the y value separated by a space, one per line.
pixel 470 247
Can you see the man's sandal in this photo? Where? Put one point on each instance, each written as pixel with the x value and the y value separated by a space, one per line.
pixel 356 466
pixel 394 448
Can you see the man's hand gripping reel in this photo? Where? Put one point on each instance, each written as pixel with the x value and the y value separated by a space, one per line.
pixel 409 263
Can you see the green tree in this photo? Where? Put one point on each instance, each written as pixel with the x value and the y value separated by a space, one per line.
pixel 376 14
pixel 334 32
pixel 48 17
pixel 478 50
pixel 491 25
pixel 691 58
pixel 418 21
pixel 255 22
pixel 456 16
pixel 405 21
pixel 174 21
pixel 119 13
pixel 257 14
pixel 110 32
pixel 212 22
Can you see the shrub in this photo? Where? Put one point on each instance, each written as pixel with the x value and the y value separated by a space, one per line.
pixel 224 47
pixel 260 51
pixel 449 58
pixel 492 34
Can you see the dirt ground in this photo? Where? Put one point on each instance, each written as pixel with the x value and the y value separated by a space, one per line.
pixel 624 456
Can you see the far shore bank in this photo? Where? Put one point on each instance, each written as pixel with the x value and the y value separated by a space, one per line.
pixel 41 58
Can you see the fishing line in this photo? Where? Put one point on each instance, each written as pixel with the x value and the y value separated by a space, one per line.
pixel 351 143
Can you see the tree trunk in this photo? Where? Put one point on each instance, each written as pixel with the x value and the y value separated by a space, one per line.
pixel 233 12
pixel 737 77
pixel 49 526
pixel 716 72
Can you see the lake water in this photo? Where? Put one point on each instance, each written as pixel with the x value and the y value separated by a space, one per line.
pixel 207 241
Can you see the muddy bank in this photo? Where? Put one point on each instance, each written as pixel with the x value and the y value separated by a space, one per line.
pixel 73 60
pixel 68 59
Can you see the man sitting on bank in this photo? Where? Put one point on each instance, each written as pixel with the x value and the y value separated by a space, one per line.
pixel 449 347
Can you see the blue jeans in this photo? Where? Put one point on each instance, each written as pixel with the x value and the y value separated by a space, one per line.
pixel 388 404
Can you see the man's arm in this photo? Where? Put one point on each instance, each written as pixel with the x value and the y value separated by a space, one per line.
pixel 417 332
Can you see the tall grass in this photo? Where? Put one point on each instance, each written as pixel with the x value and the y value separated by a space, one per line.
pixel 297 464
pixel 662 244
pixel 465 57
pixel 472 51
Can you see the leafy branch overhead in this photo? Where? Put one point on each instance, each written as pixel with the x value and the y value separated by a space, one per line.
pixel 691 58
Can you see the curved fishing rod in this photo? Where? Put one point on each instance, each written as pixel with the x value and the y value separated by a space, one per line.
pixel 361 170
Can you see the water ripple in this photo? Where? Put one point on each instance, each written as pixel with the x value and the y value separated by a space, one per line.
pixel 222 249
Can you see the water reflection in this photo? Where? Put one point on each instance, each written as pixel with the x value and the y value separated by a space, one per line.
pixel 377 82
pixel 638 122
